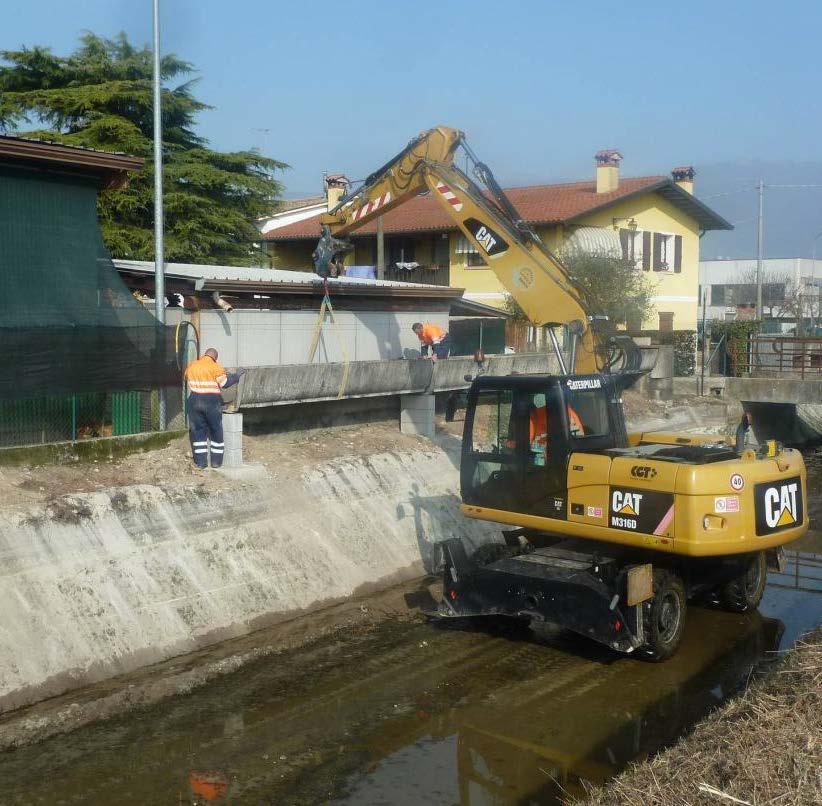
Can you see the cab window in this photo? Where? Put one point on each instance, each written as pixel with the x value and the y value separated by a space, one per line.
pixel 587 412
pixel 492 431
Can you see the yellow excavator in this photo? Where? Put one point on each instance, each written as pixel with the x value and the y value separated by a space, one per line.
pixel 616 531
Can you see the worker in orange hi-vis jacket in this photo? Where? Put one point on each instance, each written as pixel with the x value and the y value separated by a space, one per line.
pixel 206 379
pixel 436 343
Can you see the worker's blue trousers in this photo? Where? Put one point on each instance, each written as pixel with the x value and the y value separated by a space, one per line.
pixel 205 423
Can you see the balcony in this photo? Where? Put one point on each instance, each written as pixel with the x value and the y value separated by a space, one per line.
pixel 431 274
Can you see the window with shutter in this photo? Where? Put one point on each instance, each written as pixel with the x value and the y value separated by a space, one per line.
pixel 664 250
pixel 627 244
pixel 678 254
pixel 657 252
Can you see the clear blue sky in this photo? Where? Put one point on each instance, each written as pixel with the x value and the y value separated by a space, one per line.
pixel 539 86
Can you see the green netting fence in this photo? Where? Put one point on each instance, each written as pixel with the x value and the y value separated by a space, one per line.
pixel 60 418
pixel 79 354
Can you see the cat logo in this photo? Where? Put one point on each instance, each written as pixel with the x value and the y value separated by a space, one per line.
pixel 778 505
pixel 643 472
pixel 624 503
pixel 492 243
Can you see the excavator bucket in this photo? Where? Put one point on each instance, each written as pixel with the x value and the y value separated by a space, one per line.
pixel 328 250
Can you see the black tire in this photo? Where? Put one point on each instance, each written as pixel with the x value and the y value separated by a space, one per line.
pixel 744 592
pixel 664 617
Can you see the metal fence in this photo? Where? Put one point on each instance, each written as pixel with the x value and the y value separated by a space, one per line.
pixel 76 417
pixel 803 571
pixel 787 355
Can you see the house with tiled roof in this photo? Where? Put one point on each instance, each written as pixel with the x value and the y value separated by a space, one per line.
pixel 654 220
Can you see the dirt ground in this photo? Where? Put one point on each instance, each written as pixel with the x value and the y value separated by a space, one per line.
pixel 280 454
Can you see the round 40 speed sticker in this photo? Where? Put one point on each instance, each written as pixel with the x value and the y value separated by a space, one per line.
pixel 737 482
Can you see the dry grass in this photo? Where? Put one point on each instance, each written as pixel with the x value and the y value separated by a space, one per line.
pixel 761 748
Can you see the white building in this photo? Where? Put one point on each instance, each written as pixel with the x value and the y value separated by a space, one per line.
pixel 790 288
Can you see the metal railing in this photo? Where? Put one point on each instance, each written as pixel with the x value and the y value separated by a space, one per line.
pixel 793 356
pixel 803 571
pixel 434 274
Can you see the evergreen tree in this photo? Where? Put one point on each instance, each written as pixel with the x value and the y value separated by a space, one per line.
pixel 100 97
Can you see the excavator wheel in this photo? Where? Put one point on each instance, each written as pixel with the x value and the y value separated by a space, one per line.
pixel 744 591
pixel 664 617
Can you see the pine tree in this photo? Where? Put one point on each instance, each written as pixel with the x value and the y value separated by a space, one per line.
pixel 100 97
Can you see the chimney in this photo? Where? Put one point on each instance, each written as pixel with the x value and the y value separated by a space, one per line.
pixel 684 177
pixel 607 170
pixel 336 186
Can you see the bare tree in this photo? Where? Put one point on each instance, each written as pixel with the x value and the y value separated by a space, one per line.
pixel 782 295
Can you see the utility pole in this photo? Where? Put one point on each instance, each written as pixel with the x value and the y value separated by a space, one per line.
pixel 759 246
pixel 815 298
pixel 159 264
pixel 380 250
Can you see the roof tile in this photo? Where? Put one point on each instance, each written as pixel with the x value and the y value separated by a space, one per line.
pixel 537 204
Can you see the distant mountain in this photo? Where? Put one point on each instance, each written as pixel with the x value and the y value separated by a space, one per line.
pixel 793 216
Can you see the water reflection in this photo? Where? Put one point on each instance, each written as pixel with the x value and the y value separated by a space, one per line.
pixel 532 740
pixel 409 714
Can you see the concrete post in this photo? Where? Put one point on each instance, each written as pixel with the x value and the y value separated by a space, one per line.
pixel 661 382
pixel 417 414
pixel 233 437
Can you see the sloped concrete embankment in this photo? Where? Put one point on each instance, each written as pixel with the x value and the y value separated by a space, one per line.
pixel 98 584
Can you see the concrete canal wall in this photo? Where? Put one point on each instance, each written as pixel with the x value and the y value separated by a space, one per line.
pixel 96 584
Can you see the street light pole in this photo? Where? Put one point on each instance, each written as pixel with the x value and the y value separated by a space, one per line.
pixel 159 265
pixel 759 247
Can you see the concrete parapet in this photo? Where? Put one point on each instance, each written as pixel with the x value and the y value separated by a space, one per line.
pixel 283 385
pixel 774 390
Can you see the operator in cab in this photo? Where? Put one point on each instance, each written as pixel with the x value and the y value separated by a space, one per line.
pixel 206 379
pixel 435 342
pixel 538 431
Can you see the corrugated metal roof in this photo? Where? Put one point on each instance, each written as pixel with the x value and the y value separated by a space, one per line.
pixel 273 277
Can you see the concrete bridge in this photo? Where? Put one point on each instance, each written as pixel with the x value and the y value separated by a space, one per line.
pixel 414 382
pixel 785 408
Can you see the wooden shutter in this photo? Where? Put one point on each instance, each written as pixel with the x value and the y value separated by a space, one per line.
pixel 624 236
pixel 657 252
pixel 677 253
pixel 646 251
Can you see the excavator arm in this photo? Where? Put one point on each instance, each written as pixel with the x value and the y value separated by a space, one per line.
pixel 528 270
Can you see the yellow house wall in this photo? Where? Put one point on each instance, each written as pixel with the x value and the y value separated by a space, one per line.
pixel 480 283
pixel 675 292
pixel 293 255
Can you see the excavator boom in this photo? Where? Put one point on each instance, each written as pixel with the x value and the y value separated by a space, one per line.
pixel 529 271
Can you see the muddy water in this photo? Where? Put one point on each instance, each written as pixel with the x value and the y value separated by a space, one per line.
pixel 410 713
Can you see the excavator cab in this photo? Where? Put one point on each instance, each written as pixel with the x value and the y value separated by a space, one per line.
pixel 520 432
